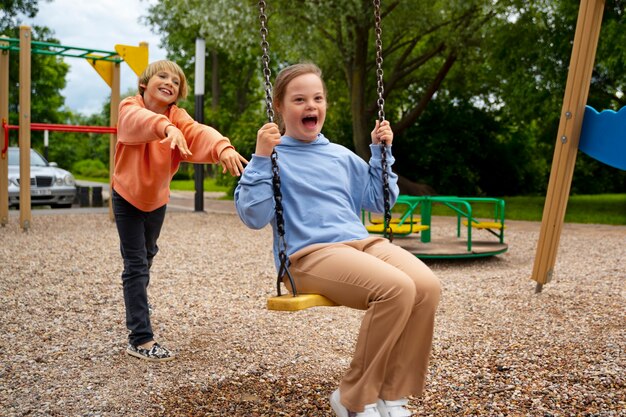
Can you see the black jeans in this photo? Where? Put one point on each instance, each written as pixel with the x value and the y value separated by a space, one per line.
pixel 139 231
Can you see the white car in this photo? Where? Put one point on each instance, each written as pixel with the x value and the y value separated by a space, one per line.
pixel 49 184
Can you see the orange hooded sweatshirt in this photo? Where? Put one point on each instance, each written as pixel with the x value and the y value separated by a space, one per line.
pixel 144 167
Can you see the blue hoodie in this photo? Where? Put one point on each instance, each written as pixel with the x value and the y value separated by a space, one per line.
pixel 324 187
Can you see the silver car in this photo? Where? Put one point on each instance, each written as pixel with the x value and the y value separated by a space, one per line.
pixel 49 184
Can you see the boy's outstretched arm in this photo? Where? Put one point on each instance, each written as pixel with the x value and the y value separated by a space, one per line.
pixel 232 162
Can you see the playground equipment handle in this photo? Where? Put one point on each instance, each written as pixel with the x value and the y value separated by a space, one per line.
pixel 61 128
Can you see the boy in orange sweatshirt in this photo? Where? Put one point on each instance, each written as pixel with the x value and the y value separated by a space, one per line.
pixel 154 136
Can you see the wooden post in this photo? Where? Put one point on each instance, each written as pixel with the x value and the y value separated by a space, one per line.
pixel 4 117
pixel 25 120
pixel 115 104
pixel 566 148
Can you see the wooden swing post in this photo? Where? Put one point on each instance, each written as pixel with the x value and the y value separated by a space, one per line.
pixel 4 140
pixel 24 122
pixel 566 148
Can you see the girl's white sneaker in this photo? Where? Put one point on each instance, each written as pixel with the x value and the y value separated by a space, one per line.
pixel 393 408
pixel 371 410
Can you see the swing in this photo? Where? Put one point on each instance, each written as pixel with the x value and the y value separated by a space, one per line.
pixel 295 301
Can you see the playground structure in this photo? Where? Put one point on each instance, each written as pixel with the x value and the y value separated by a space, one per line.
pixel 106 64
pixel 601 139
pixel 416 217
pixel 602 136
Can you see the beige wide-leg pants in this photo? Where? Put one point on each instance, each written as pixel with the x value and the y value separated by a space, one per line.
pixel 400 294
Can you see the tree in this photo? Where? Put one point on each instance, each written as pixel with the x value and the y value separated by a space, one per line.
pixel 419 49
pixel 431 45
pixel 530 64
pixel 12 8
pixel 48 79
pixel 181 23
pixel 498 67
pixel 235 93
pixel 48 74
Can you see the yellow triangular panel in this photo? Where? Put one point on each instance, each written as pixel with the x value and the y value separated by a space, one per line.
pixel 135 56
pixel 104 68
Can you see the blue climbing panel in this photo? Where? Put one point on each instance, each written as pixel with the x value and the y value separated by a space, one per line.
pixel 603 136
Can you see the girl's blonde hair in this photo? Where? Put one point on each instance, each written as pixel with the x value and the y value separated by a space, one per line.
pixel 284 77
pixel 164 65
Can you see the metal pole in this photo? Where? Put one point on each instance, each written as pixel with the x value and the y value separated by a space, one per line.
pixel 199 116
pixel 46 137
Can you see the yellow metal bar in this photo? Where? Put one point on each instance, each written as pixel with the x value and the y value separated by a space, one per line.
pixel 4 117
pixel 24 133
pixel 115 104
pixel 566 148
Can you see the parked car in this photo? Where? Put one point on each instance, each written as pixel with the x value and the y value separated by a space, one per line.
pixel 49 184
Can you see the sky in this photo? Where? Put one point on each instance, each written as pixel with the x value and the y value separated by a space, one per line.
pixel 96 24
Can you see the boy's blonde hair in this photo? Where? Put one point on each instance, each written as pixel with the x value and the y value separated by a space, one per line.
pixel 285 76
pixel 164 65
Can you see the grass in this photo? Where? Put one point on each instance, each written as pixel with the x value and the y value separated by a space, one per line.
pixel 178 185
pixel 189 185
pixel 594 209
pixel 91 179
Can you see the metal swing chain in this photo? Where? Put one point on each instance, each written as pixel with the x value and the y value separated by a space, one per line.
pixel 387 232
pixel 265 59
pixel 278 197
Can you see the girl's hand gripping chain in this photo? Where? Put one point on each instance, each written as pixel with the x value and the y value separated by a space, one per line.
pixel 267 138
pixel 382 132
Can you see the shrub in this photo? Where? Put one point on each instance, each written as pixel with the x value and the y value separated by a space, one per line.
pixel 92 168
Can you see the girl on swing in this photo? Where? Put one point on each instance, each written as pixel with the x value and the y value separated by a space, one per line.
pixel 324 186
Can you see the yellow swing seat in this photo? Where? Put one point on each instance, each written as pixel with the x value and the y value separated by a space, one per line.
pixel 399 229
pixel 288 302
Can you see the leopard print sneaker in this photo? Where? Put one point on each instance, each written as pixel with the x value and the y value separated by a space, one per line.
pixel 156 353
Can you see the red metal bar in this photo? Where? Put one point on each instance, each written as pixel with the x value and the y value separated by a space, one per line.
pixel 63 128
pixel 5 146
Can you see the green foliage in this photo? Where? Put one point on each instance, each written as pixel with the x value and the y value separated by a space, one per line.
pixel 185 172
pixel 91 168
pixel 11 9
pixel 529 62
pixel 68 148
pixel 591 177
pixel 461 150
